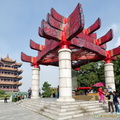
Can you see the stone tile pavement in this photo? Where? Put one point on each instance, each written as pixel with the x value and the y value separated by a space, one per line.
pixel 11 111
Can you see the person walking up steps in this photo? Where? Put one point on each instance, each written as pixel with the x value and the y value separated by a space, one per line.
pixel 101 94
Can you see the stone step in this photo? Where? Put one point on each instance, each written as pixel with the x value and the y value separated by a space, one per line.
pixel 70 107
pixel 94 109
pixel 90 104
pixel 78 115
pixel 32 104
pixel 100 111
pixel 93 112
pixel 69 117
pixel 57 111
pixel 35 105
pixel 63 107
pixel 63 111
pixel 54 117
pixel 69 103
pixel 73 103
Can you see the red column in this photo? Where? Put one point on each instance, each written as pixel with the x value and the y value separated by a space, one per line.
pixel 34 62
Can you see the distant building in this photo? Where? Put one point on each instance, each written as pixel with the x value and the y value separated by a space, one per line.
pixel 9 75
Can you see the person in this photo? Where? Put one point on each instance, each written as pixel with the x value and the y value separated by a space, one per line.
pixel 53 93
pixel 22 96
pixel 101 94
pixel 86 91
pixel 58 92
pixel 110 102
pixel 19 97
pixel 116 102
pixel 29 93
pixel 109 89
pixel 5 99
pixel 25 96
pixel 15 97
pixel 39 92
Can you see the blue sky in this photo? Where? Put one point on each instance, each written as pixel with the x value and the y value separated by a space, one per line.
pixel 20 19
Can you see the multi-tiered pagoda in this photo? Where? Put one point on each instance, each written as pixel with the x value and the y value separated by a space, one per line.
pixel 9 75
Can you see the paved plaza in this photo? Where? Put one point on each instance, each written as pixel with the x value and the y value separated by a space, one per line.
pixel 11 111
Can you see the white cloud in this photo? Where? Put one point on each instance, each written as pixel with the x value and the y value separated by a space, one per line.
pixel 116 35
pixel 115 27
pixel 118 42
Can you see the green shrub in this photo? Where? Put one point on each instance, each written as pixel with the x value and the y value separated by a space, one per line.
pixel 46 90
pixel 2 92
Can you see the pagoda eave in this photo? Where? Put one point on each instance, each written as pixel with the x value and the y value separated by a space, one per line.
pixel 8 69
pixel 11 69
pixel 17 64
pixel 8 60
pixel 10 76
pixel 10 83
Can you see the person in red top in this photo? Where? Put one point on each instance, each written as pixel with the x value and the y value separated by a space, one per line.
pixel 101 94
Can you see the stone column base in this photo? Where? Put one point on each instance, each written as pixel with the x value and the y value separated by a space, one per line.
pixel 65 99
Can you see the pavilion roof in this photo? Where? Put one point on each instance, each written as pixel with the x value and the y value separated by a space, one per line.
pixel 83 42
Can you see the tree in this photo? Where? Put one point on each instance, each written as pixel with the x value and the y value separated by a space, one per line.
pixel 117 73
pixel 90 74
pixel 2 92
pixel 46 90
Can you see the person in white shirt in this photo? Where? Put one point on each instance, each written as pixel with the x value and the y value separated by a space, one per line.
pixel 109 89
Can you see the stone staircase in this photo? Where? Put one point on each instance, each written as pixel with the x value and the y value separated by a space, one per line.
pixel 63 111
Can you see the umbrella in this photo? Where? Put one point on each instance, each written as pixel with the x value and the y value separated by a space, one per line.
pixel 99 84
